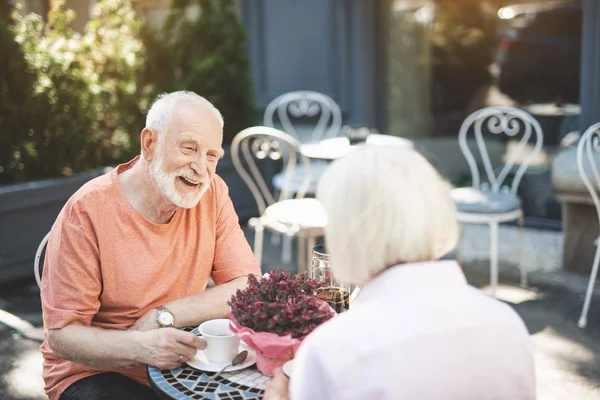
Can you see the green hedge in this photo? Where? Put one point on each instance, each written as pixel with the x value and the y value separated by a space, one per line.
pixel 206 54
pixel 74 101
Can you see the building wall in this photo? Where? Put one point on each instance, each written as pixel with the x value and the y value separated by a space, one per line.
pixel 328 46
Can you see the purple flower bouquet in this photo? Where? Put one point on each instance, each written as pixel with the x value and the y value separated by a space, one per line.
pixel 274 314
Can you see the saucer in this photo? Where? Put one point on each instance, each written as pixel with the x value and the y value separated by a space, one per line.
pixel 288 367
pixel 201 362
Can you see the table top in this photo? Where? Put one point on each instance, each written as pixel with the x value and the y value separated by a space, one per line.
pixel 189 383
pixel 334 148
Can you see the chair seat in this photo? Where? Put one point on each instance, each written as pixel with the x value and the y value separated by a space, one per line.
pixel 474 201
pixel 317 169
pixel 305 214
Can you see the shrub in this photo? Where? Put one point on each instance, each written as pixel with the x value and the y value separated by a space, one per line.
pixel 113 57
pixel 17 82
pixel 83 107
pixel 58 134
pixel 205 53
pixel 74 101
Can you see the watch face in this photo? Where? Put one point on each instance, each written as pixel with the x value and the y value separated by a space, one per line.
pixel 165 318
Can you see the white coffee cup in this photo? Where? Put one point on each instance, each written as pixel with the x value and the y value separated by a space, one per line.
pixel 222 344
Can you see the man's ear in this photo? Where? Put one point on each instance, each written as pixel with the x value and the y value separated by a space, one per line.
pixel 148 143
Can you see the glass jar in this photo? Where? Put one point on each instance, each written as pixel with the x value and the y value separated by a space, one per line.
pixel 334 293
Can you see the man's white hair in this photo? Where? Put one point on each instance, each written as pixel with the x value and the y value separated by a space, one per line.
pixel 385 206
pixel 161 112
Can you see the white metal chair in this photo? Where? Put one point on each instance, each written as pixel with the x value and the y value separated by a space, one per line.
pixel 36 262
pixel 289 214
pixel 490 202
pixel 588 152
pixel 304 106
pixel 307 116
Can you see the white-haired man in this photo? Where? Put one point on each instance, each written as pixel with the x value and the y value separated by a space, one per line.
pixel 130 256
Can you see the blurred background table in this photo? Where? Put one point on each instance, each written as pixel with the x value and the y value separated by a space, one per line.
pixel 334 148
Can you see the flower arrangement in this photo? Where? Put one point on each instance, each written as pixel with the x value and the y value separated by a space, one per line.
pixel 281 304
pixel 274 314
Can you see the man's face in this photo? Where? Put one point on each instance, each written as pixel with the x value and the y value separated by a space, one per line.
pixel 186 158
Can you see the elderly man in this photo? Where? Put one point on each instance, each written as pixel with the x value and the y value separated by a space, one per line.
pixel 130 256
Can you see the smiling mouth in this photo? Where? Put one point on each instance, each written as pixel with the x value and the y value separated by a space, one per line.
pixel 188 183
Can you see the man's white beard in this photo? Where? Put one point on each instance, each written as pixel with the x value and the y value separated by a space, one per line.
pixel 166 184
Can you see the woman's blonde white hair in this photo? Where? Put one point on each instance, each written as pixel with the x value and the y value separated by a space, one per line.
pixel 385 206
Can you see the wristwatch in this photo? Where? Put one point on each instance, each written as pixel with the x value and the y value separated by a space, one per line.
pixel 165 318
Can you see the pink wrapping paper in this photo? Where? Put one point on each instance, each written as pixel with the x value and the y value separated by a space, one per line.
pixel 272 350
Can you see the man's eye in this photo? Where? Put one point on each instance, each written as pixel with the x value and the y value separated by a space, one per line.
pixel 213 156
pixel 190 149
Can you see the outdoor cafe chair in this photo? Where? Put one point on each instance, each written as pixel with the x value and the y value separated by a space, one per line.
pixel 490 202
pixel 309 117
pixel 588 151
pixel 288 213
pixel 37 265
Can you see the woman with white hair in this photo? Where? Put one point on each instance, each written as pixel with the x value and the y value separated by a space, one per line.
pixel 417 330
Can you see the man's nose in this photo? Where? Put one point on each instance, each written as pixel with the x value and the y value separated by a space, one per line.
pixel 199 166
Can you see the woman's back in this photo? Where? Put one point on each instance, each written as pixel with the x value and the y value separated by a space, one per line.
pixel 418 331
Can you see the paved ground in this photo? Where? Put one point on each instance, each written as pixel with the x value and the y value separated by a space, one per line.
pixel 567 358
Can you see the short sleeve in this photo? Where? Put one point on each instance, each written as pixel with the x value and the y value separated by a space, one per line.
pixel 233 255
pixel 71 281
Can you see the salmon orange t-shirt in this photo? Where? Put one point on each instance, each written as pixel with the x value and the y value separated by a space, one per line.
pixel 106 265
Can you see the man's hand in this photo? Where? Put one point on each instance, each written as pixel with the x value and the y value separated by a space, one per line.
pixel 168 348
pixel 146 322
pixel 277 389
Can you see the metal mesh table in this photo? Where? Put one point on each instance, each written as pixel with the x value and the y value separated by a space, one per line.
pixel 189 383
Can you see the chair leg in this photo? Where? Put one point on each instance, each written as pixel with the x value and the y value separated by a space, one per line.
pixel 461 242
pixel 301 268
pixel 311 245
pixel 590 290
pixel 275 239
pixel 522 266
pixel 258 243
pixel 286 249
pixel 494 256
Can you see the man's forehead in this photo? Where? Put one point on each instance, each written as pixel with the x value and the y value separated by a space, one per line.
pixel 187 110
pixel 196 120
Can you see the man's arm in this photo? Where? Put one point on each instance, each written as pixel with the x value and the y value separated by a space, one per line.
pixel 193 310
pixel 164 348
pixel 207 305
